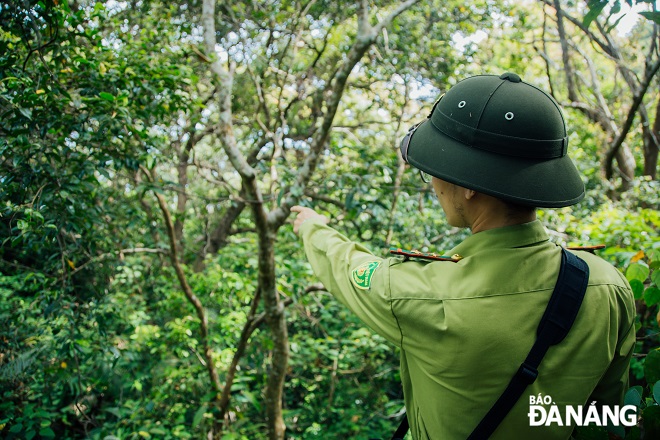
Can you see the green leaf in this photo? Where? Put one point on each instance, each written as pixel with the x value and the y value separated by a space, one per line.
pixel 114 411
pixel 26 112
pixel 652 366
pixel 616 23
pixel 47 432
pixel 616 8
pixel 22 225
pixel 656 392
pixel 349 200
pixel 637 271
pixel 144 434
pixel 652 296
pixel 198 416
pixel 209 396
pixel 653 16
pixel 137 385
pixel 106 96
pixel 595 8
pixel 16 428
pixel 638 288
pixel 653 255
pixel 633 396
pixel 655 278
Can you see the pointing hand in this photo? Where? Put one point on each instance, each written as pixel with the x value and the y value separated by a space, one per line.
pixel 305 214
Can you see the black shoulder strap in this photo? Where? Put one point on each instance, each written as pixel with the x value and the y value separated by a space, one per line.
pixel 557 320
pixel 401 431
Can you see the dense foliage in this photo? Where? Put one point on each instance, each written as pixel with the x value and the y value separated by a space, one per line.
pixel 132 255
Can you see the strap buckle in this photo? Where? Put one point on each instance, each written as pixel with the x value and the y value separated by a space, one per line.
pixel 528 373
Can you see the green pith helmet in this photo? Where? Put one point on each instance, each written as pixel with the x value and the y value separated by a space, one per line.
pixel 499 136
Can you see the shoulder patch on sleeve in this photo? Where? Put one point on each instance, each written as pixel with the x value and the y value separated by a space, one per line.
pixel 362 275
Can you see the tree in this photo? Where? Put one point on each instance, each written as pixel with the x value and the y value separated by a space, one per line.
pixel 150 153
pixel 298 92
pixel 66 131
pixel 128 107
pixel 599 110
pixel 269 221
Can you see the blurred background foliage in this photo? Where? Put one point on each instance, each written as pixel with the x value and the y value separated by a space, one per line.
pixel 106 106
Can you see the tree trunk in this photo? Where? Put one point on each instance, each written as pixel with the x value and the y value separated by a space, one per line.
pixel 652 145
pixel 617 150
pixel 181 201
pixel 218 237
pixel 275 318
pixel 626 164
pixel 617 145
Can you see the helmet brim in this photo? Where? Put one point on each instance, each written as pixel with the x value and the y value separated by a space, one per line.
pixel 551 183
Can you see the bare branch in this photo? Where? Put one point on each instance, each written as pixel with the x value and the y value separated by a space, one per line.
pixel 325 199
pixel 568 69
pixel 365 38
pixel 218 238
pixel 141 250
pixel 225 79
pixel 260 95
pixel 390 18
pixel 652 146
pixel 637 101
pixel 401 166
pixel 96 259
pixel 579 24
pixel 266 235
pixel 248 328
pixel 187 290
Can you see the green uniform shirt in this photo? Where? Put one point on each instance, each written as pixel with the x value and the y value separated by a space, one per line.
pixel 464 328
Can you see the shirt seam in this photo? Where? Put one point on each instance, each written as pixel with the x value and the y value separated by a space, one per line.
pixel 472 297
pixel 389 295
pixel 549 289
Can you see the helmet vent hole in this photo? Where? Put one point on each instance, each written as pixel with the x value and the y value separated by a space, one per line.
pixel 508 116
pixel 461 104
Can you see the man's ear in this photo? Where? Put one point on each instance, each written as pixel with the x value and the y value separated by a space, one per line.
pixel 469 193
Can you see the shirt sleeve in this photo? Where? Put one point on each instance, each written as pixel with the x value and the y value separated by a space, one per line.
pixel 614 384
pixel 353 275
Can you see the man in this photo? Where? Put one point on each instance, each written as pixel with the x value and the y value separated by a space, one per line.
pixel 496 148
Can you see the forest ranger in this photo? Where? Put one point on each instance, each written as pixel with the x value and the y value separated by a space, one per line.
pixel 496 148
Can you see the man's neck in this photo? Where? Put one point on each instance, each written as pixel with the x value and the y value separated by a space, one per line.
pixel 491 214
pixel 484 226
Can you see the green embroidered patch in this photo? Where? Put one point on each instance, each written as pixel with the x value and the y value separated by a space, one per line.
pixel 362 275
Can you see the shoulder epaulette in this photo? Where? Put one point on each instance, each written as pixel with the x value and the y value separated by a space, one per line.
pixel 590 249
pixel 424 255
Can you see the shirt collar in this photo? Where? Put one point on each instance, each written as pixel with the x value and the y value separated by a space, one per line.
pixel 526 234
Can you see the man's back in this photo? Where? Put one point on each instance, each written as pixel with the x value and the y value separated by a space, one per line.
pixel 464 328
pixel 467 326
